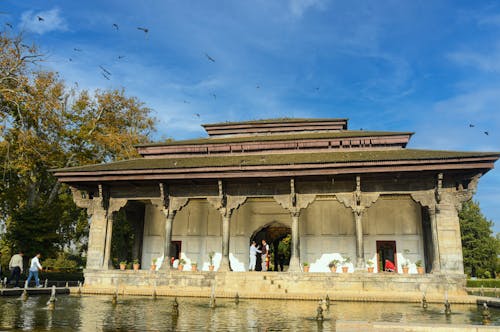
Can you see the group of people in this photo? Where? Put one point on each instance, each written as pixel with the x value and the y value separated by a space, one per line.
pixel 16 269
pixel 264 254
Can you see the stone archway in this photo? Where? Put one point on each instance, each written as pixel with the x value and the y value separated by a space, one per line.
pixel 274 233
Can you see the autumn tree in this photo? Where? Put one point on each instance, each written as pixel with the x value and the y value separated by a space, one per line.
pixel 44 124
pixel 480 248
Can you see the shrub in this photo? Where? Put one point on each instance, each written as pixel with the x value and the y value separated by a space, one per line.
pixel 62 262
pixel 488 283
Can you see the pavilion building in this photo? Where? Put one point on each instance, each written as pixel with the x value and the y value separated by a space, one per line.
pixel 338 194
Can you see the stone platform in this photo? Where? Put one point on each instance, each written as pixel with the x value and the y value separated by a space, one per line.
pixel 359 286
pixel 33 291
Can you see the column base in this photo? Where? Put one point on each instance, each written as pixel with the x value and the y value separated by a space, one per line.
pixel 166 267
pixel 294 265
pixel 360 263
pixel 224 265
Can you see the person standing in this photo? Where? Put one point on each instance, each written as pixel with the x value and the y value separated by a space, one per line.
pixel 253 256
pixel 34 268
pixel 264 255
pixel 16 268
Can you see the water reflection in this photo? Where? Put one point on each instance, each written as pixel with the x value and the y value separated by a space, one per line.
pixel 97 313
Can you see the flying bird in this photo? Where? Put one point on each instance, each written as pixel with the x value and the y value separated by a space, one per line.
pixel 471 125
pixel 186 102
pixel 121 57
pixel 77 49
pixel 209 57
pixel 9 25
pixel 146 30
pixel 116 26
pixel 214 95
pixel 40 18
pixel 70 60
pixel 197 114
pixel 257 87
pixel 104 70
pixel 486 133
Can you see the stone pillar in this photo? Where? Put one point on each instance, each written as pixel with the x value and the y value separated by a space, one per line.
pixel 224 264
pixel 169 206
pixel 97 232
pixel 99 207
pixel 225 204
pixel 294 259
pixel 168 239
pixel 436 261
pixel 360 250
pixel 107 263
pixel 115 204
pixel 358 201
pixel 294 203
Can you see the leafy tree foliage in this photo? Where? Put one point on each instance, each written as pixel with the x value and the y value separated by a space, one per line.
pixel 480 247
pixel 46 124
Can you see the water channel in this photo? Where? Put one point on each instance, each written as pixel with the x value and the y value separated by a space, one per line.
pixel 98 313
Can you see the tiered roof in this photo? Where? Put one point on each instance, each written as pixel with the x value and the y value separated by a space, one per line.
pixel 278 147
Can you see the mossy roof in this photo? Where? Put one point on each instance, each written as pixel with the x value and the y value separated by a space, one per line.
pixel 276 120
pixel 279 137
pixel 278 159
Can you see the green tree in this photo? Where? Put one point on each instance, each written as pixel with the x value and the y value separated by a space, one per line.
pixel 45 124
pixel 480 247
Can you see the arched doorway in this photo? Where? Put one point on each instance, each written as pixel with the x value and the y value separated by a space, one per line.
pixel 278 237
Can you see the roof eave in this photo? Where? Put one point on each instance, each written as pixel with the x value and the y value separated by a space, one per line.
pixel 483 163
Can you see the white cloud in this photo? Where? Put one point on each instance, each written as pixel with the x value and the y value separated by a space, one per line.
pixel 43 22
pixel 489 20
pixel 489 62
pixel 298 7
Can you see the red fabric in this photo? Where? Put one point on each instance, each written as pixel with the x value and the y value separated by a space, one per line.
pixel 389 266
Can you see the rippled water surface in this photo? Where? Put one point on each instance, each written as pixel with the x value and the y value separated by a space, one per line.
pixel 97 313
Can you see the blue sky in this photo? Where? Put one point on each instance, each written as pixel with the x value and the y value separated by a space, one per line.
pixel 431 67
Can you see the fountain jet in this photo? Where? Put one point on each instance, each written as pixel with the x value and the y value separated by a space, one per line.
pixel 175 307
pixel 211 303
pixel 486 314
pixel 52 301
pixel 424 302
pixel 319 312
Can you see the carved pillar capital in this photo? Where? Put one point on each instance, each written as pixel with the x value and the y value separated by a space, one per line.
pixel 174 204
pixel 358 202
pixel 302 201
pixel 115 204
pixel 426 198
pixel 228 205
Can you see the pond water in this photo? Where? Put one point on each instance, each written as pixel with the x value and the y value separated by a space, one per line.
pixel 98 313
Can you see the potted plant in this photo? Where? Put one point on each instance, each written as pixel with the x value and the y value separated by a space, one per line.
pixel 406 262
pixel 194 266
pixel 123 265
pixel 211 260
pixel 370 265
pixel 182 262
pixel 153 264
pixel 420 268
pixel 305 266
pixel 345 267
pixel 405 267
pixel 136 265
pixel 333 265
